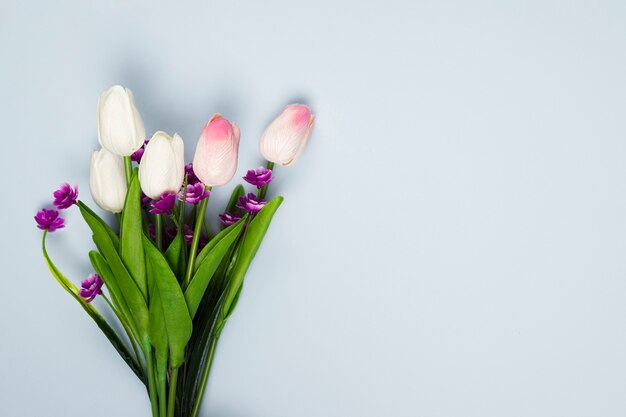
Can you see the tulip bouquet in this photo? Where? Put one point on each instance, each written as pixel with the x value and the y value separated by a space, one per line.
pixel 171 282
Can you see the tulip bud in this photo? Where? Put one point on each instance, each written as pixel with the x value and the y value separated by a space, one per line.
pixel 215 161
pixel 107 180
pixel 162 167
pixel 120 126
pixel 285 138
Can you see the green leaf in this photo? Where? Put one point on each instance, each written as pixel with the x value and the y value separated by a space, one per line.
pixel 169 307
pixel 173 254
pixel 249 246
pixel 158 330
pixel 115 340
pixel 209 247
pixel 104 270
pixel 130 293
pixel 112 235
pixel 234 198
pixel 208 263
pixel 131 248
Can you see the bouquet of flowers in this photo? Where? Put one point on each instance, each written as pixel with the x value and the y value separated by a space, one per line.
pixel 169 279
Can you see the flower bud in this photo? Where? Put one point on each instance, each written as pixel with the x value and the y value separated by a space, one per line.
pixel 162 167
pixel 120 126
pixel 107 180
pixel 285 138
pixel 215 161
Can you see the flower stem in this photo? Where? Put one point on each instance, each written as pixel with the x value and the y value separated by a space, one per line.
pixel 158 227
pixel 270 165
pixel 196 239
pixel 205 378
pixel 171 400
pixel 128 167
pixel 152 389
pixel 162 381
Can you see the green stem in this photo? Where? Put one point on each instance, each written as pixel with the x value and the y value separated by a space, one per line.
pixel 128 168
pixel 152 389
pixel 263 191
pixel 127 329
pixel 171 400
pixel 205 378
pixel 208 230
pixel 162 381
pixel 158 227
pixel 194 242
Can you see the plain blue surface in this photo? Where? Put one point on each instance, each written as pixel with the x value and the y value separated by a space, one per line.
pixel 451 244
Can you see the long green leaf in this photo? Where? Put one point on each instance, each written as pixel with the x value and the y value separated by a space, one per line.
pixel 129 290
pixel 115 340
pixel 176 324
pixel 234 198
pixel 173 254
pixel 219 303
pixel 104 270
pixel 131 248
pixel 249 246
pixel 112 235
pixel 214 252
pixel 158 329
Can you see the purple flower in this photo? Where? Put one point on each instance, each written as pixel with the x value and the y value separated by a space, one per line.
pixel 136 156
pixel 191 176
pixel 188 234
pixel 49 220
pixel 195 193
pixel 252 204
pixel 164 204
pixel 91 287
pixel 152 231
pixel 65 196
pixel 259 177
pixel 229 219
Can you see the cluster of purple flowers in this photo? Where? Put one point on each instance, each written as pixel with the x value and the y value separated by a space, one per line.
pixel 49 220
pixel 250 203
pixel 64 198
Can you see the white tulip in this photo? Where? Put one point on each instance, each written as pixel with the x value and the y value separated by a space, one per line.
pixel 162 167
pixel 107 180
pixel 285 138
pixel 120 126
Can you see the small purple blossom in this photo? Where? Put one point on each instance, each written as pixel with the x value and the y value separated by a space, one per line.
pixel 191 176
pixel 136 156
pixel 195 193
pixel 252 204
pixel 259 177
pixel 188 234
pixel 164 204
pixel 91 287
pixel 229 219
pixel 48 219
pixel 65 196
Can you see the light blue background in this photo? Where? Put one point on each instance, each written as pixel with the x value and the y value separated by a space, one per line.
pixel 452 242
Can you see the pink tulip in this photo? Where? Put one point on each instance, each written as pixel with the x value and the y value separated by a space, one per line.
pixel 215 161
pixel 285 138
